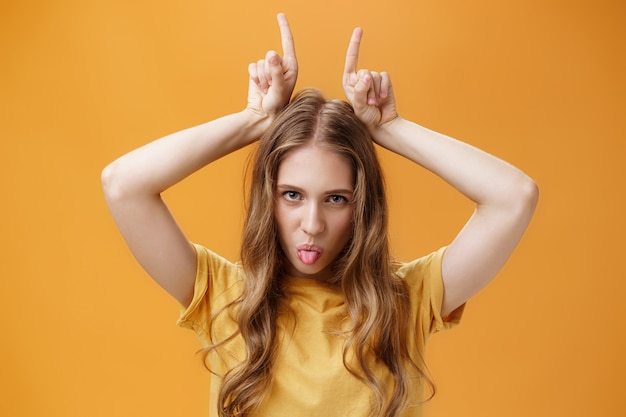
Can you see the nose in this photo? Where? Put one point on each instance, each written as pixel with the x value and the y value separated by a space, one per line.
pixel 312 220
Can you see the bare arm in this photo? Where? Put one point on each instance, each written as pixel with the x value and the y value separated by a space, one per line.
pixel 133 183
pixel 505 197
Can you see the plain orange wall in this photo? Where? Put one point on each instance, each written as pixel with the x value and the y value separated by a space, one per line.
pixel 539 83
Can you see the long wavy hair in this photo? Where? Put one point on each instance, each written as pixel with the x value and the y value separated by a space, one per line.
pixel 377 301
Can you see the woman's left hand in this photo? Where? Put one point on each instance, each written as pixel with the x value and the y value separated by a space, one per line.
pixel 369 92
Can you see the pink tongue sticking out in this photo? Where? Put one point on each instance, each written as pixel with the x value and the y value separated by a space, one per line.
pixel 308 256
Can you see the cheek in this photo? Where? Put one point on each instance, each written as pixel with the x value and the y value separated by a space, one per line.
pixel 343 225
pixel 282 219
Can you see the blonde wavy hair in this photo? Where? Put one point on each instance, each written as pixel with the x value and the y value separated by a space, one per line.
pixel 377 301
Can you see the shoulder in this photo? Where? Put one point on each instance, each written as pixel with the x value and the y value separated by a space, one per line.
pixel 215 268
pixel 217 284
pixel 424 278
pixel 425 268
pixel 218 281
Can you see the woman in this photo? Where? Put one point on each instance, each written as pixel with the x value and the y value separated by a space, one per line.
pixel 317 319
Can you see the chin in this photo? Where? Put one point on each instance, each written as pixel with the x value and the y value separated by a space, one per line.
pixel 311 271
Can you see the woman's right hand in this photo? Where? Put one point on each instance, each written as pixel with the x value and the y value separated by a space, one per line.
pixel 273 78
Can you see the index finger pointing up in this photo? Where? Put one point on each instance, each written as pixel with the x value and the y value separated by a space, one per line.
pixel 352 56
pixel 285 36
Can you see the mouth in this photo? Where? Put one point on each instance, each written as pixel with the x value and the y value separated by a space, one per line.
pixel 309 254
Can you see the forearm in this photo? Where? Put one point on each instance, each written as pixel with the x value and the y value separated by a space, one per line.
pixel 152 168
pixel 480 176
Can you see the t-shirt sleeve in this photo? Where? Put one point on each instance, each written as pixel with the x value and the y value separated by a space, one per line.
pixel 425 280
pixel 216 285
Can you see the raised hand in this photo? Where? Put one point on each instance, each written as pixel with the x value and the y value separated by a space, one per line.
pixel 369 92
pixel 273 78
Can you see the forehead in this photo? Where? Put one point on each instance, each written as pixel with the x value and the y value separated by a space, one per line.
pixel 315 167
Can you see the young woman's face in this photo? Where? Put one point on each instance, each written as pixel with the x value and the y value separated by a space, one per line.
pixel 313 209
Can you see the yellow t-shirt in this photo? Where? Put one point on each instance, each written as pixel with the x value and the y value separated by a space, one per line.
pixel 310 378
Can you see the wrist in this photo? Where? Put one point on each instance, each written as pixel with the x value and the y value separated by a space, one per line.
pixel 255 123
pixel 387 131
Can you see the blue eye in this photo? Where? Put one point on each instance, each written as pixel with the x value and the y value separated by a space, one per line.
pixel 291 195
pixel 337 199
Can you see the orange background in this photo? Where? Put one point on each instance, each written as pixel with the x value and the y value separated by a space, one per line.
pixel 539 83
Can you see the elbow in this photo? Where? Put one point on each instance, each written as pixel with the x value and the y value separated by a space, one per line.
pixel 123 183
pixel 112 182
pixel 107 179
pixel 516 194
pixel 525 196
pixel 530 193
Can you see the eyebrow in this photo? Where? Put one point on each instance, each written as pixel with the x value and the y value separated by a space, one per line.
pixel 296 188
